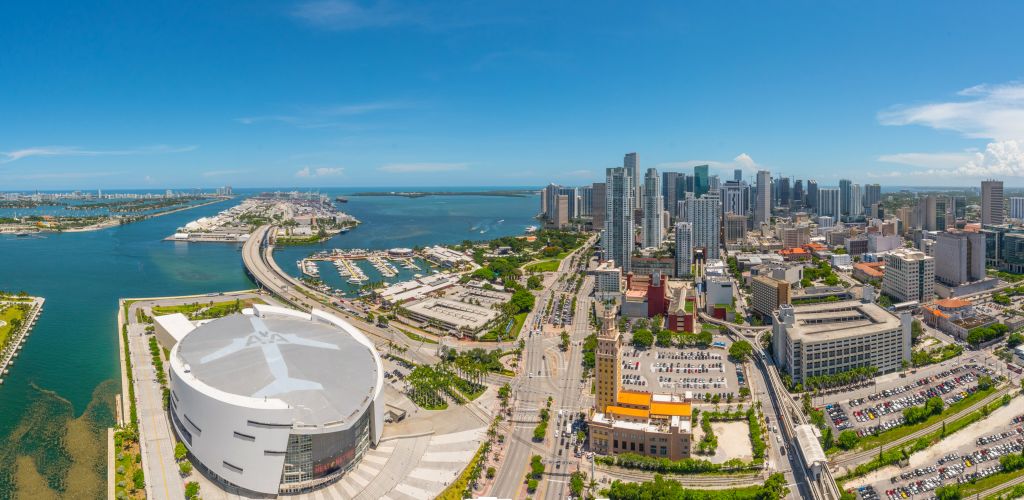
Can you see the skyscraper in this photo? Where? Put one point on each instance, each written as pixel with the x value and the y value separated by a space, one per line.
pixel 706 216
pixel 572 198
pixel 872 194
pixel 631 162
pixel 856 201
pixel 735 198
pixel 845 196
pixel 684 249
pixel 701 183
pixel 586 201
pixel 784 195
pixel 599 200
pixel 763 207
pixel 550 199
pixel 812 195
pixel 992 211
pixel 798 194
pixel 737 175
pixel 618 223
pixel 669 189
pixel 829 203
pixel 653 232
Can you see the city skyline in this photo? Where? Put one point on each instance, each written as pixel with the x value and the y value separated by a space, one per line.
pixel 339 93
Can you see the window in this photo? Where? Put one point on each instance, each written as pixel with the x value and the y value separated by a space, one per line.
pixel 244 437
pixel 233 468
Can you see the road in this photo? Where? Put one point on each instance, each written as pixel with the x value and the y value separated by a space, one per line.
pixel 534 383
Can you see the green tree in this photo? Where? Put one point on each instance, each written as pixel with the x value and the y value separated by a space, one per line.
pixel 740 350
pixel 523 301
pixel 191 490
pixel 847 439
pixel 534 282
pixel 180 451
pixel 643 338
pixel 664 338
pixel 950 492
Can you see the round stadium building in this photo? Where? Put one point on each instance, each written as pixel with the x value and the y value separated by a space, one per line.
pixel 274 400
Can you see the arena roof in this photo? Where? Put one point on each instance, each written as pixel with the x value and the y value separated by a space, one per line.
pixel 317 368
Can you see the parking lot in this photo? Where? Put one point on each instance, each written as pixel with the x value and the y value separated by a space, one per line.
pixel 881 411
pixel 884 410
pixel 971 453
pixel 702 372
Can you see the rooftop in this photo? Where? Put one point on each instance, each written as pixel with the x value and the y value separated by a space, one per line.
pixel 313 366
pixel 833 320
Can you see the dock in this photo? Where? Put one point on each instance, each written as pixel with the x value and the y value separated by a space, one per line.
pixel 18 338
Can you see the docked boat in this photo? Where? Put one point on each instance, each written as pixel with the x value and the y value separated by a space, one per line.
pixel 341 199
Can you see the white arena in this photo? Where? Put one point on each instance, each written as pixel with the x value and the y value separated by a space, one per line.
pixel 275 400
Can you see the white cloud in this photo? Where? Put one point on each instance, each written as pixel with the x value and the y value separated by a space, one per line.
pixel 988 112
pixel 319 172
pixel 421 168
pixel 10 156
pixel 994 112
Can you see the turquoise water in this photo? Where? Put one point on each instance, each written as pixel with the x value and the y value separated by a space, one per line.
pixel 58 397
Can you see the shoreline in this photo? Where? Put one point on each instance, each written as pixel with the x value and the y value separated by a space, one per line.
pixel 113 221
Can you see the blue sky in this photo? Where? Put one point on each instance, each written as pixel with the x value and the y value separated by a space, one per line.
pixel 372 93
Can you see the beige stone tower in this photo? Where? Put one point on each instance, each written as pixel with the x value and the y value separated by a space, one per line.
pixel 607 362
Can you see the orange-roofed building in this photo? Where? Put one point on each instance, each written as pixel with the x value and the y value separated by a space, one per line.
pixel 955 317
pixel 869 271
pixel 795 254
pixel 655 425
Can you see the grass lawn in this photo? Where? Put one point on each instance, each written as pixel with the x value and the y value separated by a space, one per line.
pixel 207 310
pixel 549 265
pixel 9 313
pixel 416 337
pixel 899 432
pixel 966 490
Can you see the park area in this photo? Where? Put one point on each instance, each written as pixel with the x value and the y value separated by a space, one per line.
pixel 12 315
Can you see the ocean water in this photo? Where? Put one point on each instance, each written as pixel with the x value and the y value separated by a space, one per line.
pixel 58 398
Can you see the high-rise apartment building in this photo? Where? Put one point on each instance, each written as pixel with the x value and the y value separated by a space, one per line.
pixel 586 201
pixel 550 198
pixel 684 249
pixel 737 175
pixel 856 201
pixel 705 215
pixel 798 194
pixel 631 162
pixel 618 224
pixel 909 275
pixel 669 190
pixel 845 196
pixel 701 183
pixel 652 230
pixel 597 207
pixel 872 194
pixel 763 207
pixel 572 197
pixel 992 211
pixel 829 203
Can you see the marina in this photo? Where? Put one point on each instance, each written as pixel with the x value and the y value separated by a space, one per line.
pixel 16 331
pixel 356 269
